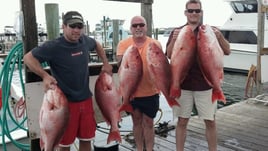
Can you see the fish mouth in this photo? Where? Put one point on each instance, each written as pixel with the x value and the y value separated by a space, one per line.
pixel 203 28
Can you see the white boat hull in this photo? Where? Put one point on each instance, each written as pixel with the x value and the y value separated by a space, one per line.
pixel 241 61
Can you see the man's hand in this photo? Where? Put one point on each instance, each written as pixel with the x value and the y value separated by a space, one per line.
pixel 49 82
pixel 175 34
pixel 107 68
pixel 217 32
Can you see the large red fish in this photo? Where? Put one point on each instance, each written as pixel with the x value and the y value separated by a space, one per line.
pixel 159 70
pixel 108 100
pixel 53 118
pixel 129 73
pixel 182 57
pixel 210 57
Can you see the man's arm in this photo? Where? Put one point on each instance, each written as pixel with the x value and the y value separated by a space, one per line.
pixel 171 41
pixel 101 53
pixel 222 41
pixel 34 65
pixel 119 60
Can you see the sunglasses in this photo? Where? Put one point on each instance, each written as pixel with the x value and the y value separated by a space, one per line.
pixel 139 24
pixel 73 26
pixel 194 10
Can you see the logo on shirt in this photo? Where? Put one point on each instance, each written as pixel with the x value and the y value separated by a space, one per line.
pixel 77 54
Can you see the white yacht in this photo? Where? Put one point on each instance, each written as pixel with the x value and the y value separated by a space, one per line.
pixel 105 37
pixel 241 31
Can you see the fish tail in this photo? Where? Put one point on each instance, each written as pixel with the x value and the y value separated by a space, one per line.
pixel 218 95
pixel 114 136
pixel 126 107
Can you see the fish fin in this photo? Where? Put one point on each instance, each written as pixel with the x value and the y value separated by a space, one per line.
pixel 114 136
pixel 126 107
pixel 42 144
pixel 172 102
pixel 218 95
pixel 107 121
pixel 174 93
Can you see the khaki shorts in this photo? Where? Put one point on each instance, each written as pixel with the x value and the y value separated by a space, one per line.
pixel 203 101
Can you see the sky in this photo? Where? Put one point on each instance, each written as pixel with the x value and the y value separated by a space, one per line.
pixel 166 13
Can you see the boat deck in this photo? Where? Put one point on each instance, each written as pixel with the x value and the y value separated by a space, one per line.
pixel 241 126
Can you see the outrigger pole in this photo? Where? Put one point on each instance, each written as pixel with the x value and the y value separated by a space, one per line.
pixel 262 13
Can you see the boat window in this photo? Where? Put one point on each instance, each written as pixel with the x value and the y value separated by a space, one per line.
pixel 250 6
pixel 242 37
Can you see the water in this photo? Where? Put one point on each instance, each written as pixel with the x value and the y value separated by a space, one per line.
pixel 233 87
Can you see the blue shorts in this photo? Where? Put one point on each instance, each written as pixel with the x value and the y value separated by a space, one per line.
pixel 148 105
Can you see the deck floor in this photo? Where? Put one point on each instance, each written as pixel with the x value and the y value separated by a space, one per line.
pixel 241 127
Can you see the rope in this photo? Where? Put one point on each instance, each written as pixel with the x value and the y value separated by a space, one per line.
pixel 14 112
pixel 263 98
pixel 251 81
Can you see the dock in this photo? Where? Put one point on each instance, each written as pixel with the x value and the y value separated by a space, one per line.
pixel 242 126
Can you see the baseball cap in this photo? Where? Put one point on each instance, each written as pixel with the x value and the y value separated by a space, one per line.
pixel 72 17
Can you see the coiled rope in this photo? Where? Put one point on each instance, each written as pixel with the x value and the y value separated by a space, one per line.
pixel 251 81
pixel 13 116
pixel 250 84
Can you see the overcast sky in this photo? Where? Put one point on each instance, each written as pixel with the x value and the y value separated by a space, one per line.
pixel 166 13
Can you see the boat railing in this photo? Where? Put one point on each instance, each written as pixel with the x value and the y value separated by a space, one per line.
pixel 109 54
pixel 6 46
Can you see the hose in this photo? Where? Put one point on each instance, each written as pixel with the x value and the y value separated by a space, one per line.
pixel 7 111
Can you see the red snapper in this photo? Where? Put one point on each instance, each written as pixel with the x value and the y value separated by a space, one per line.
pixel 183 54
pixel 210 57
pixel 108 100
pixel 129 73
pixel 159 70
pixel 53 118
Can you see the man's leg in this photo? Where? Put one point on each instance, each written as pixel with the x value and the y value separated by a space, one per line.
pixel 148 131
pixel 181 130
pixel 138 129
pixel 211 135
pixel 84 145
